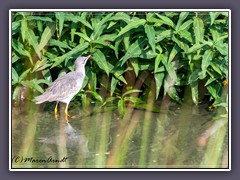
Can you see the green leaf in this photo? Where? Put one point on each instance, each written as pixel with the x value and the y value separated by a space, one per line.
pixel 186 35
pixel 166 20
pixel 182 17
pixel 24 74
pixel 198 28
pixel 180 44
pixel 131 91
pixel 101 61
pixel 163 35
pixel 151 35
pixel 173 53
pixel 222 48
pixel 194 89
pixel 15 95
pixel 23 28
pixel 114 82
pixel 170 70
pixel 121 107
pixel 159 80
pixel 157 62
pixel 213 16
pixel 77 50
pixel 206 60
pixel 135 66
pixel 194 48
pixel 54 42
pixel 132 25
pixel 60 17
pixel 185 25
pixel 73 30
pixel 134 50
pixel 98 28
pixel 76 19
pixel 95 95
pixel 33 40
pixel 84 36
pixel 17 46
pixel 39 18
pixel 40 27
pixel 121 16
pixel 32 84
pixel 15 76
pixel 46 36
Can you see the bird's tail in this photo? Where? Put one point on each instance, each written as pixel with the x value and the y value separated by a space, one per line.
pixel 40 99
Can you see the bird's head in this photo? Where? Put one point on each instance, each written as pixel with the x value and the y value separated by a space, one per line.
pixel 81 61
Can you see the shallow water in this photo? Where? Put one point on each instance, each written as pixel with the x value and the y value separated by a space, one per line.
pixel 178 137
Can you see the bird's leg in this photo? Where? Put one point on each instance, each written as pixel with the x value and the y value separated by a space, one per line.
pixel 66 113
pixel 56 111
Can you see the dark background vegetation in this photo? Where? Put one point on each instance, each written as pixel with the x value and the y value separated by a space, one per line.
pixel 147 54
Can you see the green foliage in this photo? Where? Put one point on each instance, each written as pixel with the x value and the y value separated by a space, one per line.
pixel 178 49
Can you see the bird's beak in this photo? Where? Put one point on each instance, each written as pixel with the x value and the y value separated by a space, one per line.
pixel 89 56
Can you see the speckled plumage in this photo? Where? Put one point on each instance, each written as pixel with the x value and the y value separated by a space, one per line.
pixel 65 87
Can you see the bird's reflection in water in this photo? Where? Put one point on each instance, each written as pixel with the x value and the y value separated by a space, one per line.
pixel 69 138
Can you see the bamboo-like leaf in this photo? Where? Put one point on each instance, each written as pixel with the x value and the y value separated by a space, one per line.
pixel 101 61
pixel 32 40
pixel 170 70
pixel 54 42
pixel 149 30
pixel 47 34
pixel 84 36
pixel 198 28
pixel 135 66
pixel 73 30
pixel 173 53
pixel 163 35
pixel 186 35
pixel 32 84
pixel 159 80
pixel 114 82
pixel 98 28
pixel 194 89
pixel 166 20
pixel 131 91
pixel 96 95
pixel 132 25
pixel 121 16
pixel 39 18
pixel 134 50
pixel 121 107
pixel 15 76
pixel 76 19
pixel 180 44
pixel 206 60
pixel 15 26
pixel 213 16
pixel 16 93
pixel 222 48
pixel 23 28
pixel 185 25
pixel 77 50
pixel 17 46
pixel 24 74
pixel 157 62
pixel 60 17
pixel 182 17
pixel 194 48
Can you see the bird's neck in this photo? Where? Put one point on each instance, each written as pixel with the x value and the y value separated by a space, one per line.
pixel 80 70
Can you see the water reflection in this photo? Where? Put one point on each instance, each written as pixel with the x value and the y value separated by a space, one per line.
pixel 72 138
pixel 140 139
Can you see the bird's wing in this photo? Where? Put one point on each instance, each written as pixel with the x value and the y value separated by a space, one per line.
pixel 69 83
